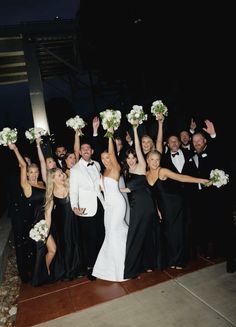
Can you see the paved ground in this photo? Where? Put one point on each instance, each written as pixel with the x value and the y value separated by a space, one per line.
pixel 203 298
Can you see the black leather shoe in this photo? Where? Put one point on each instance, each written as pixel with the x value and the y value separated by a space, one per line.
pixel 90 274
pixel 91 277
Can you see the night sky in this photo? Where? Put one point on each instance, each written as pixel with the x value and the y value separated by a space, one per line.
pixel 172 52
pixel 177 53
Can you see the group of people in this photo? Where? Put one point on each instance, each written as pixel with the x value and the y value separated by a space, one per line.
pixel 136 208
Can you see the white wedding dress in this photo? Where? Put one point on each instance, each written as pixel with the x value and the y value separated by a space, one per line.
pixel 111 258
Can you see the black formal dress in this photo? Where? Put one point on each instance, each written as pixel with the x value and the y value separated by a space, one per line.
pixel 66 264
pixel 172 210
pixel 140 247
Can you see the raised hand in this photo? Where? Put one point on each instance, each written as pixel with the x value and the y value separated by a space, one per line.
pixel 12 146
pixel 193 124
pixel 210 129
pixel 96 124
pixel 160 117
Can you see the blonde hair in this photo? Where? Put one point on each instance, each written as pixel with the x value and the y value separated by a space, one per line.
pixel 150 139
pixel 50 185
pixel 155 152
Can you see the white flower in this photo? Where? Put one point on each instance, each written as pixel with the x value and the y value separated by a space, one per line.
pixel 34 133
pixel 8 136
pixel 40 231
pixel 110 119
pixel 158 108
pixel 136 115
pixel 218 177
pixel 77 123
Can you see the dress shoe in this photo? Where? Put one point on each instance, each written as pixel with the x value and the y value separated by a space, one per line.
pixel 90 274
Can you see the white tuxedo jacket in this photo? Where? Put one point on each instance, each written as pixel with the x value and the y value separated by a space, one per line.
pixel 83 190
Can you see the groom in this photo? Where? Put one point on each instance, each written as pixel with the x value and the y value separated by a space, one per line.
pixel 87 203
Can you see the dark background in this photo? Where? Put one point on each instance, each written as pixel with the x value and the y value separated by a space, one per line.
pixel 179 53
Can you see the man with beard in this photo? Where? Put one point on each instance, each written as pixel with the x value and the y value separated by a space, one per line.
pixel 60 153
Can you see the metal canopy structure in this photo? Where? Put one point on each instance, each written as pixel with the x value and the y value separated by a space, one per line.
pixel 55 46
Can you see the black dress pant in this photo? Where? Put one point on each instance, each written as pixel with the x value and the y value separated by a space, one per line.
pixel 92 233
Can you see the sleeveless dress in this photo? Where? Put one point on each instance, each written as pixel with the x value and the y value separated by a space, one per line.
pixel 32 214
pixel 110 261
pixel 172 209
pixel 66 264
pixel 140 247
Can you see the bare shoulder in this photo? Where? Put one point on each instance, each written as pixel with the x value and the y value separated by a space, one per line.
pixel 163 173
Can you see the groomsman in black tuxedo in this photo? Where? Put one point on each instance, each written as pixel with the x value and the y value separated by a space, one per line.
pixel 185 139
pixel 60 152
pixel 211 209
pixel 176 159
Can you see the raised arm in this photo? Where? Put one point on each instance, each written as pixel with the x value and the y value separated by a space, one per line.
pixel 138 150
pixel 210 128
pixel 41 160
pixel 77 144
pixel 165 173
pixel 23 166
pixel 159 140
pixel 111 151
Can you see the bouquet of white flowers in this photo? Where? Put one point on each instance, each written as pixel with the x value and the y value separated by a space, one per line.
pixel 218 177
pixel 158 108
pixel 8 136
pixel 77 123
pixel 40 231
pixel 110 119
pixel 34 133
pixel 136 115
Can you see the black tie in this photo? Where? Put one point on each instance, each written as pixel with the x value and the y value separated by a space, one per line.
pixel 175 154
pixel 90 163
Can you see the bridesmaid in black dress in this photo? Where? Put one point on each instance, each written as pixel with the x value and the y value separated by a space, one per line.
pixel 31 207
pixel 65 262
pixel 169 205
pixel 140 248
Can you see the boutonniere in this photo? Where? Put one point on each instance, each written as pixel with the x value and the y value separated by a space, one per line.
pixel 204 155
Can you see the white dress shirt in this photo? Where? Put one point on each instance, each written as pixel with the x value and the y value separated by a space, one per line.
pixel 178 160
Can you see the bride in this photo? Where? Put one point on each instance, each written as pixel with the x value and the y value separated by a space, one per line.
pixel 110 261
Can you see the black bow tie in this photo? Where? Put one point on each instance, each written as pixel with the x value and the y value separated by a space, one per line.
pixel 90 163
pixel 175 154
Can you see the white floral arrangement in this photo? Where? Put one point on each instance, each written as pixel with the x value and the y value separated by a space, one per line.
pixel 158 108
pixel 218 177
pixel 40 231
pixel 35 133
pixel 77 123
pixel 136 115
pixel 110 119
pixel 8 136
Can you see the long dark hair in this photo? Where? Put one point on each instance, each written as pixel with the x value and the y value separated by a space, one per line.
pixel 125 170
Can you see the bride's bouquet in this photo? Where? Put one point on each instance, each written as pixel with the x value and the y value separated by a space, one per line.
pixel 77 123
pixel 218 177
pixel 158 108
pixel 34 133
pixel 40 231
pixel 136 115
pixel 8 136
pixel 110 119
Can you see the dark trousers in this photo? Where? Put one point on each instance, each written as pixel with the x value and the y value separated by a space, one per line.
pixel 92 232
